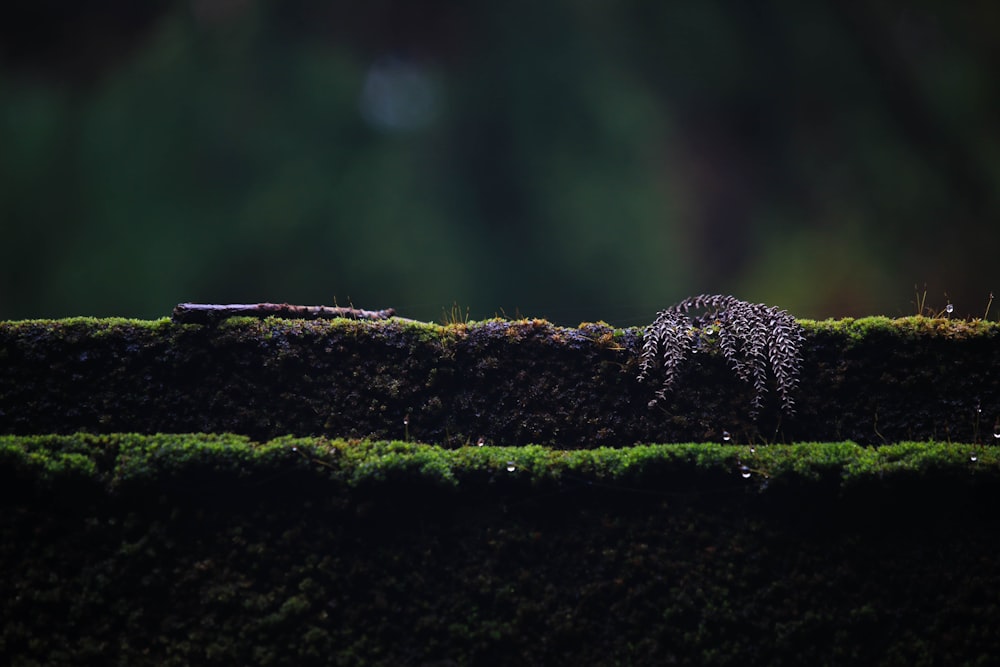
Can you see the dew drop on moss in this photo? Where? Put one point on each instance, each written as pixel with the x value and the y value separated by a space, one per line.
pixel 726 436
pixel 511 466
pixel 744 472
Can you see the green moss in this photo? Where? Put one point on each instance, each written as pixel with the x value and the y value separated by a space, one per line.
pixel 46 464
pixel 857 330
pixel 133 461
pixel 854 327
pixel 238 322
pixel 91 322
pixel 216 549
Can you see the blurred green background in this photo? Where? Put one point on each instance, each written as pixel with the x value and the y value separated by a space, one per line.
pixel 574 160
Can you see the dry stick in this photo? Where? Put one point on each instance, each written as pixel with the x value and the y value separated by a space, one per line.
pixel 208 313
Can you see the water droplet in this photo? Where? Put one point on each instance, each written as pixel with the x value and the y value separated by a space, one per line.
pixel 511 466
pixel 996 433
pixel 480 442
pixel 726 436
pixel 295 449
pixel 753 450
pixel 974 458
pixel 949 309
pixel 744 472
pixel 406 420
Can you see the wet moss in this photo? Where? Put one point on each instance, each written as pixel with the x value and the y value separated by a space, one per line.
pixel 122 461
pixel 216 549
pixel 872 380
pixel 544 546
pixel 858 329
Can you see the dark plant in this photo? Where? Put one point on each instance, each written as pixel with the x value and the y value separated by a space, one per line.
pixel 753 337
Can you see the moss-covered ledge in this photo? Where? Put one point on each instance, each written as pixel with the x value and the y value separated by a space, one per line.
pixel 151 464
pixel 219 550
pixel 872 380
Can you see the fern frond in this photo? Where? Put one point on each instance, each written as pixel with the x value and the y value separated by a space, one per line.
pixel 754 339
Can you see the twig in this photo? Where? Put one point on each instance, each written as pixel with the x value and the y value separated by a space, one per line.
pixel 209 313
